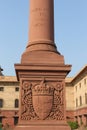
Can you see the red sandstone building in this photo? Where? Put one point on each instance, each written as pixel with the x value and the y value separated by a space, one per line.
pixel 76 98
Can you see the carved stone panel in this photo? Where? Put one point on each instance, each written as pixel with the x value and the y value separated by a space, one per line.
pixel 42 95
pixel 42 101
pixel 58 104
pixel 27 111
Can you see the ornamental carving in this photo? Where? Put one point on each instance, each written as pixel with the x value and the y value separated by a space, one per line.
pixel 42 98
pixel 27 111
pixel 42 101
pixel 58 104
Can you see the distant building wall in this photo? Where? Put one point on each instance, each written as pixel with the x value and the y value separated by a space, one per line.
pixel 80 96
pixel 76 98
pixel 9 99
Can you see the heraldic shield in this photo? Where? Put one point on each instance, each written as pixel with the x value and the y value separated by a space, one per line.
pixel 42 98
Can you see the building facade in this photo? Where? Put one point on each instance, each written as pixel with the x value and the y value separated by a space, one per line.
pixel 9 100
pixel 76 98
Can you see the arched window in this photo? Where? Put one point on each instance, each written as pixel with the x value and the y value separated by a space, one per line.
pixel 16 103
pixel 76 102
pixel 80 101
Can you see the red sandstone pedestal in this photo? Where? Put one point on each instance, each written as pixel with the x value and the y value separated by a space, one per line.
pixel 42 73
pixel 42 97
pixel 49 126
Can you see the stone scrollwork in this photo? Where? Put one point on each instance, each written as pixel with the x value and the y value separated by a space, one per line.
pixel 27 111
pixel 51 100
pixel 58 105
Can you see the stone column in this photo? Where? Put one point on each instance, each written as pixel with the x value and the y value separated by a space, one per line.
pixel 42 73
pixel 41 33
pixel 41 25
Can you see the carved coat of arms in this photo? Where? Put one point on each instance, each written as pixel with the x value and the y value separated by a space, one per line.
pixel 42 99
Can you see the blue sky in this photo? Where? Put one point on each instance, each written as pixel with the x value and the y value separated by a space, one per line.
pixel 70 32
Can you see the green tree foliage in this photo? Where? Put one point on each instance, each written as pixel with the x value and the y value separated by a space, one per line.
pixel 73 125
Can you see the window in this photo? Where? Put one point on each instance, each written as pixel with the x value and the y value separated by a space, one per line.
pixel 1 103
pixel 85 98
pixel 80 85
pixel 1 88
pixel 17 89
pixel 76 102
pixel 80 100
pixel 76 88
pixel 16 103
pixel 85 81
pixel 0 119
pixel 15 120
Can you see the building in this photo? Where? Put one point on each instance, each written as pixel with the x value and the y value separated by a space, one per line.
pixel 9 99
pixel 76 98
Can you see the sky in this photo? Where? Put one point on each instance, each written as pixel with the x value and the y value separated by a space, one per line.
pixel 70 18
